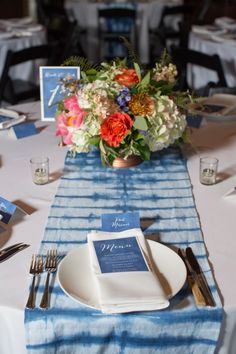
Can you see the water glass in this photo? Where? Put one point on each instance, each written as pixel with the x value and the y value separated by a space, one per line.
pixel 40 169
pixel 208 170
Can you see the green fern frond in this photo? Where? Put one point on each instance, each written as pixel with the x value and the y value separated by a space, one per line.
pixel 82 62
pixel 131 51
pixel 165 58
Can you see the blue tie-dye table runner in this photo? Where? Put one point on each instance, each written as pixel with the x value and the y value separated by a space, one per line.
pixel 161 191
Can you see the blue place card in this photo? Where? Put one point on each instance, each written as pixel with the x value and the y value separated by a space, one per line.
pixel 120 221
pixel 120 255
pixel 23 130
pixel 53 87
pixel 7 209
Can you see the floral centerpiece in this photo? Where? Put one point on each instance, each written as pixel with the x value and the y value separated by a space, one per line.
pixel 122 110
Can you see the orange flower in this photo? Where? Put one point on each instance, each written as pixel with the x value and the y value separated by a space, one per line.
pixel 141 104
pixel 115 127
pixel 128 77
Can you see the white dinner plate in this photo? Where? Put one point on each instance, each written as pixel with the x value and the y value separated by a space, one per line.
pixel 76 279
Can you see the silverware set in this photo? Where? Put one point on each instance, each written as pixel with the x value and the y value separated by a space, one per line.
pixel 37 267
pixel 196 279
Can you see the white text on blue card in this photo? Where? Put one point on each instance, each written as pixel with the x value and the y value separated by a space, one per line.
pixel 117 222
pixel 120 255
pixel 54 87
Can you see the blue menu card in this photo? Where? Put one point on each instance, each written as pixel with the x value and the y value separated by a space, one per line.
pixel 120 255
pixel 7 209
pixel 120 221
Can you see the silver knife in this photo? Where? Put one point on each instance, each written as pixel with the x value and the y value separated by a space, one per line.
pixel 4 250
pixel 11 250
pixel 200 277
pixel 192 282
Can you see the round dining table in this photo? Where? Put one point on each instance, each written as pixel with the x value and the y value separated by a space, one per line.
pixel 18 38
pixel 216 212
pixel 212 44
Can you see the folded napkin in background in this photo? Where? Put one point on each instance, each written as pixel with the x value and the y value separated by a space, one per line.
pixel 122 271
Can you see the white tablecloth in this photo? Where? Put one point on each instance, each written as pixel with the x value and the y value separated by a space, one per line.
pixel 28 69
pixel 217 216
pixel 148 17
pixel 226 50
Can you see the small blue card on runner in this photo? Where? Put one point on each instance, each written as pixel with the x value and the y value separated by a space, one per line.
pixel 53 87
pixel 23 130
pixel 117 222
pixel 120 255
pixel 7 209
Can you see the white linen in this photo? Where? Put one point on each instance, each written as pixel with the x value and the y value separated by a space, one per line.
pixel 28 69
pixel 217 216
pixel 126 291
pixel 197 76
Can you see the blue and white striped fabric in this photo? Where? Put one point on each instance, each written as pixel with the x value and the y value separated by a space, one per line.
pixel 161 191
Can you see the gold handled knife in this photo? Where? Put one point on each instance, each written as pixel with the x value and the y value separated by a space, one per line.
pixel 196 291
pixel 201 280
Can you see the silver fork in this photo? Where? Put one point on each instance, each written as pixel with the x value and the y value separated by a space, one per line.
pixel 50 267
pixel 36 267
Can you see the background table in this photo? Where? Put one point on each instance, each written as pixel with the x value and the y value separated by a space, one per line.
pixel 148 17
pixel 226 50
pixel 28 69
pixel 217 216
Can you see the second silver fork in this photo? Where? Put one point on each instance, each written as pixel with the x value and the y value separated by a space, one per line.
pixel 36 268
pixel 50 267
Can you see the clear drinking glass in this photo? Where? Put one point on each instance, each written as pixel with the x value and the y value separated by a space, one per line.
pixel 208 170
pixel 40 169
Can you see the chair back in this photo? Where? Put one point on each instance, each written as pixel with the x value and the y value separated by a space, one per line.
pixel 173 28
pixel 15 90
pixel 115 23
pixel 184 56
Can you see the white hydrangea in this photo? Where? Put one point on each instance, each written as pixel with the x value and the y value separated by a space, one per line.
pixel 166 124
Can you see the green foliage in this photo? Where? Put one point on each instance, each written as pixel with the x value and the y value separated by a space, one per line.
pixel 133 56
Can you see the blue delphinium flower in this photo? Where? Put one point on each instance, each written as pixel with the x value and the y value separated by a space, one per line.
pixel 123 99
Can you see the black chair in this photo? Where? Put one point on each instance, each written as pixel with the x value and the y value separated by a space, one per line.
pixel 174 27
pixel 184 56
pixel 14 91
pixel 115 23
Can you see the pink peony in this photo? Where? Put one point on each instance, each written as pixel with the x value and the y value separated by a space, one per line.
pixel 71 104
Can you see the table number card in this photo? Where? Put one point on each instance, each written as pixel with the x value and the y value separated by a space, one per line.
pixel 53 87
pixel 120 255
pixel 120 221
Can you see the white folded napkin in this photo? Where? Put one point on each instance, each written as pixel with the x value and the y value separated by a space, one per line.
pixel 126 291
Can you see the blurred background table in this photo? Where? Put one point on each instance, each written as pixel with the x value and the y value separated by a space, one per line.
pixel 148 17
pixel 226 49
pixel 20 35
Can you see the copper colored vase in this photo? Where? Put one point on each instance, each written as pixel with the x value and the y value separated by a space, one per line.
pixel 131 161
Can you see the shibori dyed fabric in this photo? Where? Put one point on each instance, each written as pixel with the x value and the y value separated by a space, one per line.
pixel 161 191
